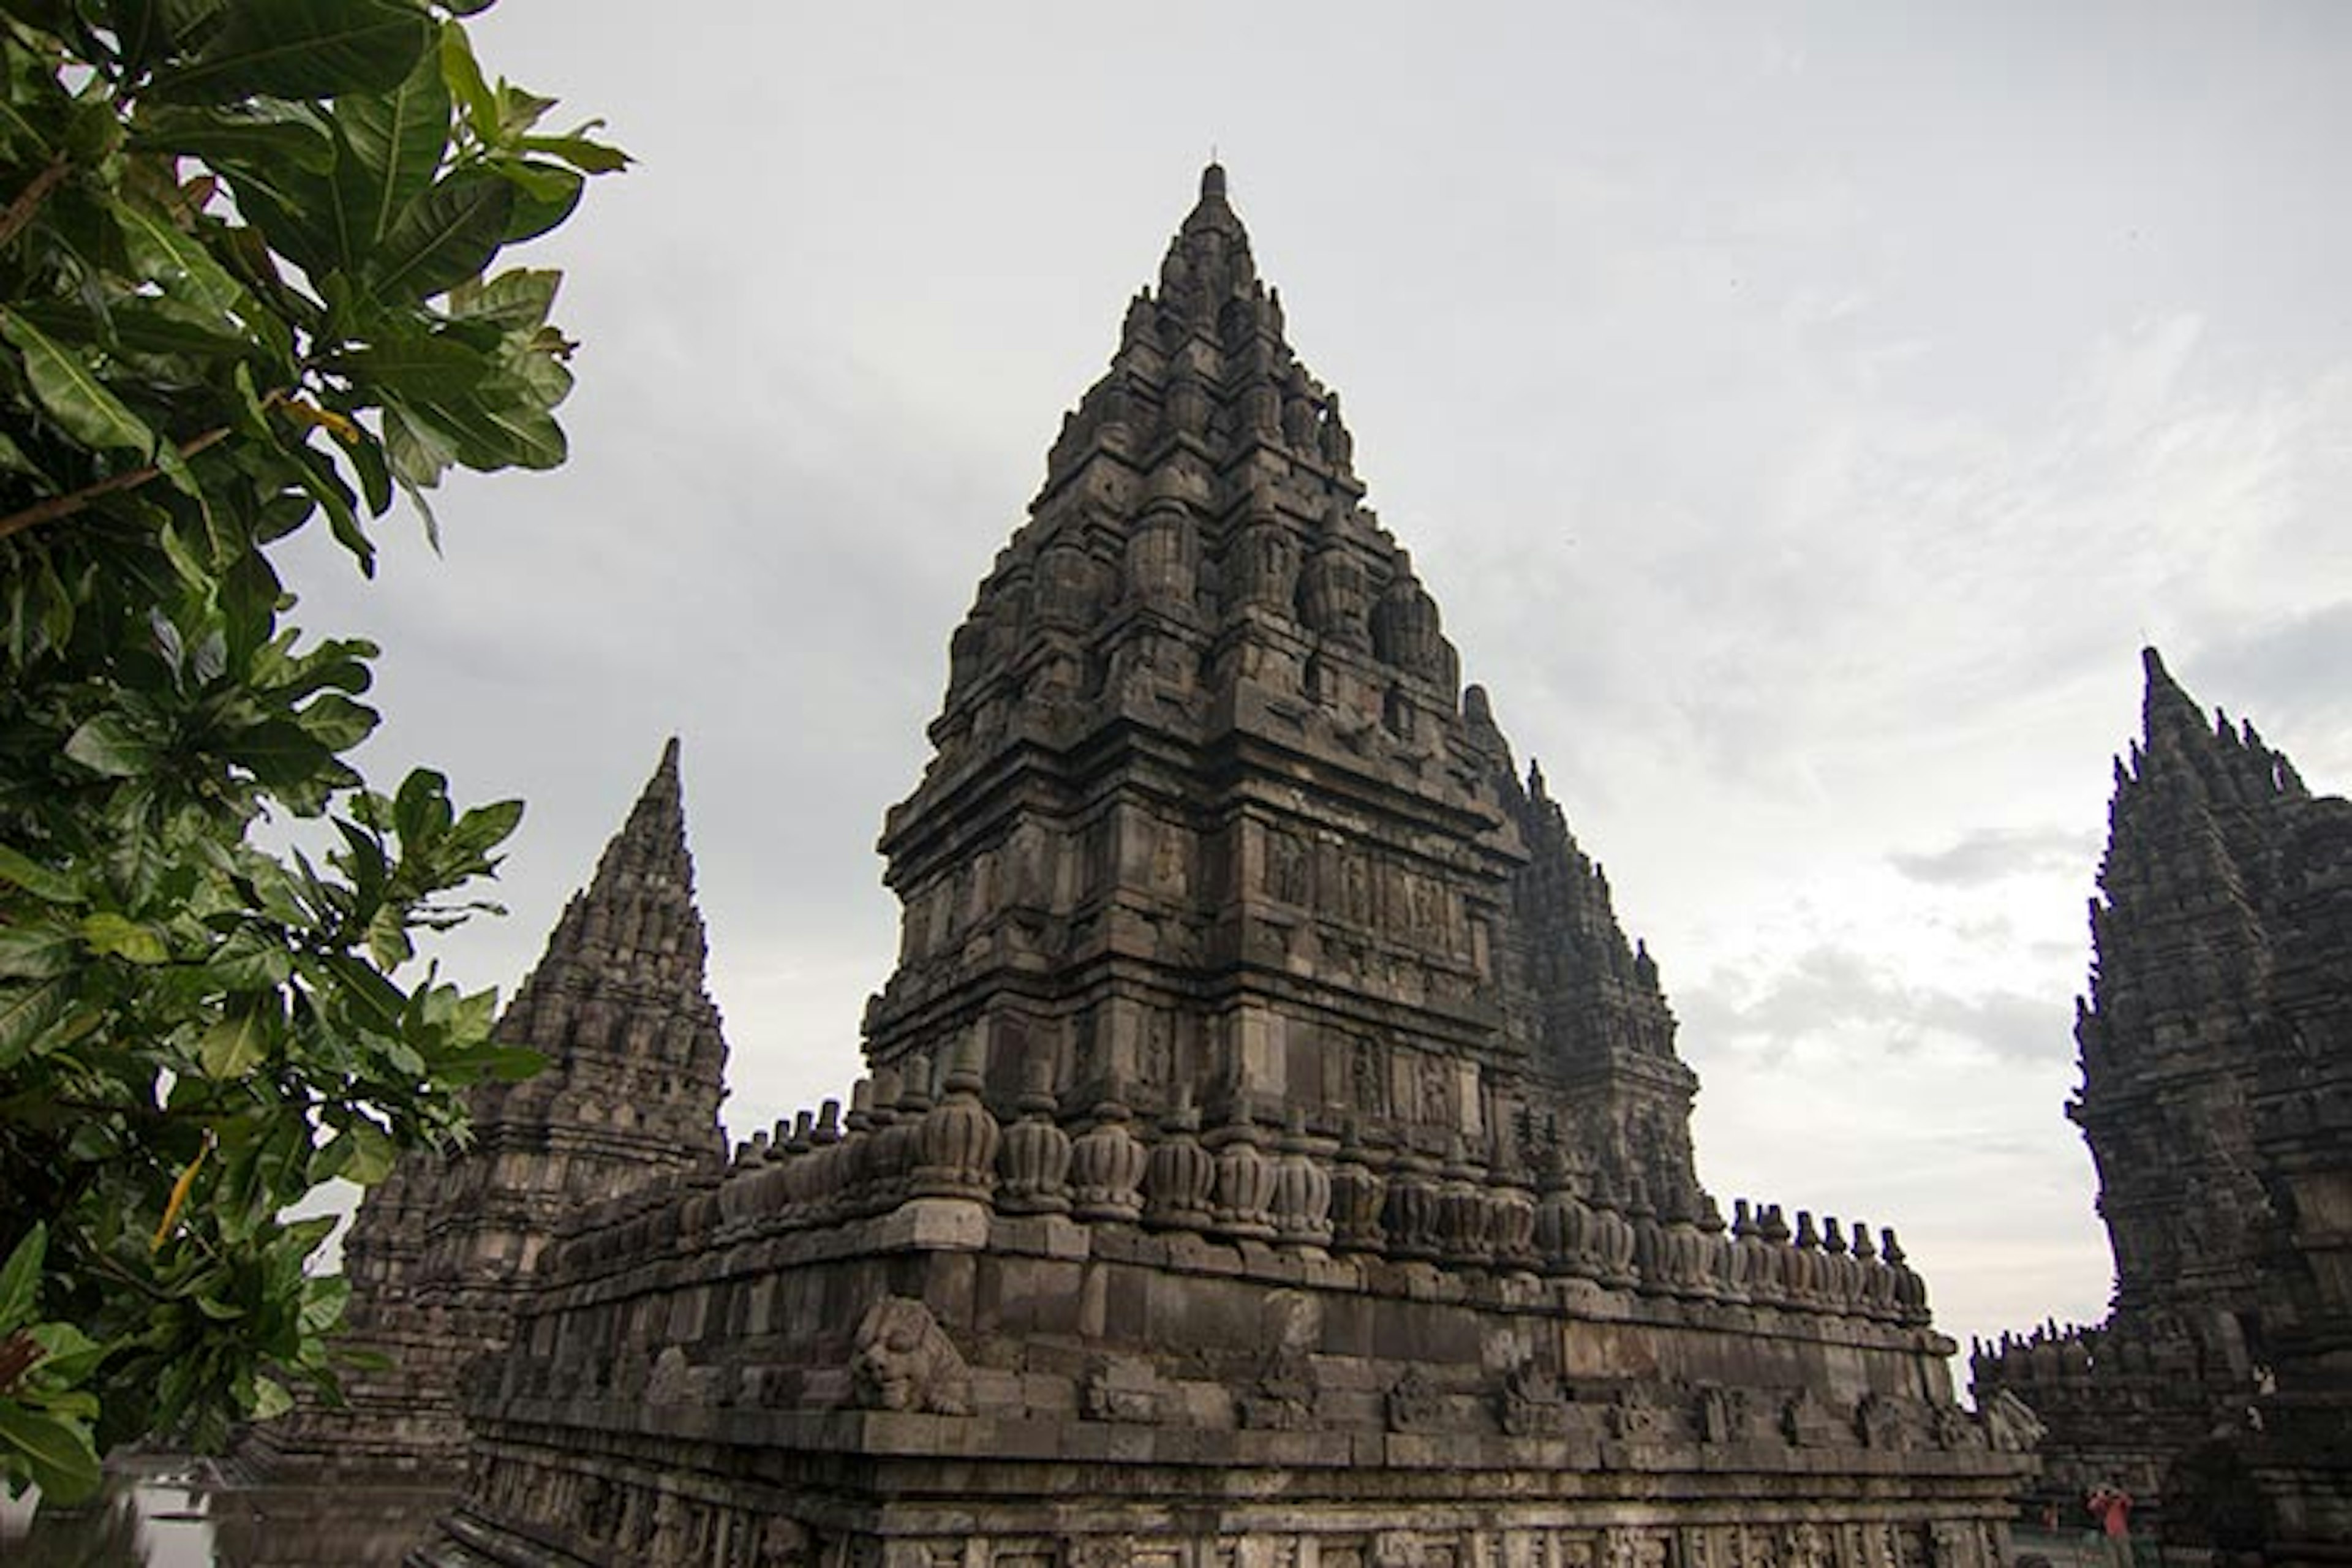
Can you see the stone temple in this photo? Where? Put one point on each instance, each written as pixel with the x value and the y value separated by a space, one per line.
pixel 2217 1100
pixel 441 1253
pixel 1275 1152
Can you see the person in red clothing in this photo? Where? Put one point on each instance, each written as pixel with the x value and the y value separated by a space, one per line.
pixel 2111 1506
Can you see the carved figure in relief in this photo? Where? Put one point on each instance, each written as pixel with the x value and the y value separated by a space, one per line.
pixel 1286 871
pixel 1367 1074
pixel 1414 1402
pixel 1355 889
pixel 1723 1416
pixel 1806 1549
pixel 1286 1392
pixel 1168 860
pixel 1122 1388
pixel 1638 1416
pixel 904 1361
pixel 2011 1424
pixel 1436 1092
pixel 1159 1046
pixel 672 1381
pixel 1534 1405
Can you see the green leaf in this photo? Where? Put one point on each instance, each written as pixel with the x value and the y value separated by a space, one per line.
pixel 464 75
pixel 336 722
pixel 508 1064
pixel 110 746
pixel 154 325
pixel 502 424
pixel 302 50
pixel 20 1279
pixel 69 389
pixel 545 195
pixel 517 299
pixel 41 882
pixel 136 942
pixel 163 252
pixel 38 951
pixel 484 829
pixel 270 1399
pixel 280 754
pixel 29 1015
pixel 419 366
pixel 420 454
pixel 56 1452
pixel 249 960
pixel 360 1153
pixel 71 1355
pixel 395 143
pixel 316 474
pixel 324 1297
pixel 237 1044
pixel 448 234
pixel 367 455
pixel 260 135
pixel 588 157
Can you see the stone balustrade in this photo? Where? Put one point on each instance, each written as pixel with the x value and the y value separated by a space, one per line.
pixel 926 1135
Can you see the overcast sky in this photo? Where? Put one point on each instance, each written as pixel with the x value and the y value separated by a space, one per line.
pixel 1803 414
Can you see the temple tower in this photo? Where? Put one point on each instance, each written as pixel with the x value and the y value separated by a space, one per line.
pixel 1210 815
pixel 2216 1053
pixel 441 1252
pixel 2180 998
pixel 1275 1150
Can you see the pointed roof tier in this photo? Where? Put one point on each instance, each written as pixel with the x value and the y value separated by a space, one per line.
pixel 1208 812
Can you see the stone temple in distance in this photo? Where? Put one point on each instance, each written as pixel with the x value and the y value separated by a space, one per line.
pixel 1275 1154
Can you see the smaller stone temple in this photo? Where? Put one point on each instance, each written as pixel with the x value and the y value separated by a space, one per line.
pixel 442 1253
pixel 2217 1101
pixel 1275 1152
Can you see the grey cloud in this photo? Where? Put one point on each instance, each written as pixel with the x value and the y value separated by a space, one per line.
pixel 1832 993
pixel 1992 855
pixel 2285 674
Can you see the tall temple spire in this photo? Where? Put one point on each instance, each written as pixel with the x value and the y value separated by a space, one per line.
pixel 1199 721
pixel 442 1251
pixel 618 1003
pixel 2216 1046
pixel 2182 963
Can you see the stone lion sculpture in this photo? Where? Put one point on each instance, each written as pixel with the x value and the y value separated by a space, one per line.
pixel 904 1361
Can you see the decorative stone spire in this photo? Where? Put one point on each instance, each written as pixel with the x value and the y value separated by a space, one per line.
pixel 2216 1045
pixel 2181 964
pixel 440 1252
pixel 1202 735
pixel 618 1003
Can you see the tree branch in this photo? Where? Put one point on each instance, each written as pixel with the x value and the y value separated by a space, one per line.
pixel 28 201
pixel 53 507
pixel 72 501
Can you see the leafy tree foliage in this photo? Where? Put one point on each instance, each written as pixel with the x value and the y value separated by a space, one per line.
pixel 247 283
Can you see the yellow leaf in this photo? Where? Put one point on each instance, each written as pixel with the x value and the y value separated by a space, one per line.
pixel 180 1194
pixel 338 425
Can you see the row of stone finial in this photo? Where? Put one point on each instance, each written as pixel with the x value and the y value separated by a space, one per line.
pixel 902 1141
pixel 2052 1354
